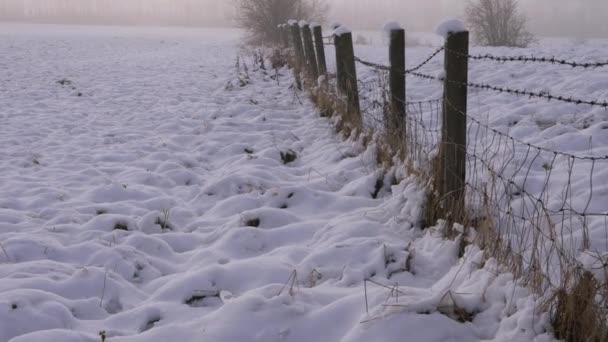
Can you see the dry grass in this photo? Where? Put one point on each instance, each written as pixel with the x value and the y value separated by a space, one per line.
pixel 575 314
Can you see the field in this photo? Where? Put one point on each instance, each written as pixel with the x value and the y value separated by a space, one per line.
pixel 153 188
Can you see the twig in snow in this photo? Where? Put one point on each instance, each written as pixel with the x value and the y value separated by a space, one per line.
pixel 5 252
pixel 366 303
pixel 293 277
pixel 296 97
pixel 103 291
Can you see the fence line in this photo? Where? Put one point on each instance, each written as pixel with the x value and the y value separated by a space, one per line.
pixel 534 59
pixel 535 209
pixel 517 92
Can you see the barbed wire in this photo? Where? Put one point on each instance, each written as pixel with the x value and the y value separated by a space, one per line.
pixel 544 149
pixel 531 59
pixel 544 206
pixel 533 94
pixel 407 71
pixel 519 92
pixel 426 61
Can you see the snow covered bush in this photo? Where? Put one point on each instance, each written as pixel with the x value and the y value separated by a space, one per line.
pixel 498 23
pixel 260 18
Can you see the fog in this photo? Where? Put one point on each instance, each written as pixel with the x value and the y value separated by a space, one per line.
pixel 142 12
pixel 572 18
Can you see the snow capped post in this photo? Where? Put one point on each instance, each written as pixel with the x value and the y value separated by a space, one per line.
pixel 319 47
pixel 347 72
pixel 309 48
pixel 296 38
pixel 284 35
pixel 396 120
pixel 454 133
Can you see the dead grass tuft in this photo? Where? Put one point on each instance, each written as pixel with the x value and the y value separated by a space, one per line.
pixel 575 315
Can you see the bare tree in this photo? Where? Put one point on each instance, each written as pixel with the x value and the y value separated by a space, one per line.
pixel 498 23
pixel 261 17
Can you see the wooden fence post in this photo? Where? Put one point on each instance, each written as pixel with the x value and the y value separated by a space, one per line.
pixel 396 121
pixel 347 72
pixel 454 132
pixel 284 35
pixel 320 49
pixel 299 53
pixel 313 70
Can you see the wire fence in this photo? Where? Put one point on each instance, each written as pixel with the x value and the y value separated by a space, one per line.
pixel 542 212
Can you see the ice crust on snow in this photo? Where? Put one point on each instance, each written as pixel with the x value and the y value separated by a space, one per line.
pixel 450 25
pixel 341 30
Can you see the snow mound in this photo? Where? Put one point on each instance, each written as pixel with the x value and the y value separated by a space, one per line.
pixel 451 25
pixel 341 30
pixel 392 26
pixel 335 25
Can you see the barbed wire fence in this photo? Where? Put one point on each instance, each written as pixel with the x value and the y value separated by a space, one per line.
pixel 540 212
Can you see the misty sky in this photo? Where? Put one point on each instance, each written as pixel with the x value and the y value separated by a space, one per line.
pixel 549 17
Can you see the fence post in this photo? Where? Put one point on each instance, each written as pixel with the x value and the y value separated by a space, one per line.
pixel 310 52
pixel 284 35
pixel 454 132
pixel 320 48
pixel 299 53
pixel 347 71
pixel 396 121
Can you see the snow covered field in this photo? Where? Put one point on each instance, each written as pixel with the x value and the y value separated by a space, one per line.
pixel 146 193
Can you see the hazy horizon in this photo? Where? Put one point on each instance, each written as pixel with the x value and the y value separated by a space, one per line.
pixel 581 18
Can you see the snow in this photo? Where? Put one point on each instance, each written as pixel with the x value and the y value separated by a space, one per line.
pixel 314 24
pixel 392 26
pixel 147 196
pixel 440 75
pixel 335 25
pixel 303 23
pixel 450 25
pixel 580 130
pixel 341 30
pixel 292 22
